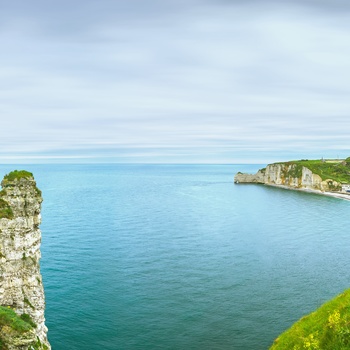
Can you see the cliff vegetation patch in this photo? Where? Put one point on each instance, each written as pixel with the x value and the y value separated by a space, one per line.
pixel 26 300
pixel 337 170
pixel 293 170
pixel 9 318
pixel 328 328
pixel 17 175
pixel 28 319
pixel 5 210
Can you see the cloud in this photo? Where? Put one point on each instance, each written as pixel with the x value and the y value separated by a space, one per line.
pixel 170 77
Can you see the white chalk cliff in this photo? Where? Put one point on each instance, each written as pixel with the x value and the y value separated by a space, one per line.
pixel 289 175
pixel 21 287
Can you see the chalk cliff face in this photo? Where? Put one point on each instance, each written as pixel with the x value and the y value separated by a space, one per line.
pixel 291 175
pixel 21 288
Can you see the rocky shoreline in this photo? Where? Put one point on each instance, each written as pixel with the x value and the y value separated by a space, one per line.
pixel 308 190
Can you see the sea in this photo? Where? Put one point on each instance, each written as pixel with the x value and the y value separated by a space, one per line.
pixel 146 257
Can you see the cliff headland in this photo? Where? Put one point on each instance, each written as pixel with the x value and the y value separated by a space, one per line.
pixel 22 301
pixel 328 177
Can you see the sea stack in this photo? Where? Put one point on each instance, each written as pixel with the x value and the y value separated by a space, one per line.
pixel 22 300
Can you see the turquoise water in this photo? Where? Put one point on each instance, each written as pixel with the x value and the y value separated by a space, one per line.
pixel 178 257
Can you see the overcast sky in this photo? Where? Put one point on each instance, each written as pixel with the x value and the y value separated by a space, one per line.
pixel 203 81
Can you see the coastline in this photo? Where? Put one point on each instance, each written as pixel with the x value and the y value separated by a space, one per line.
pixel 309 190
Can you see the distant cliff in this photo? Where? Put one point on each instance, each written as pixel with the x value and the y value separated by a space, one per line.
pixel 22 301
pixel 325 176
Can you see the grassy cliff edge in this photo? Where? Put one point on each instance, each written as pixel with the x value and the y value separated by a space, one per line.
pixel 337 170
pixel 327 328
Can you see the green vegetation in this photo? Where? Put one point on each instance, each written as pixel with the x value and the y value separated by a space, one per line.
pixel 5 210
pixel 38 345
pixel 28 319
pixel 28 303
pixel 327 169
pixel 38 192
pixel 9 318
pixel 294 171
pixel 328 328
pixel 16 325
pixel 17 174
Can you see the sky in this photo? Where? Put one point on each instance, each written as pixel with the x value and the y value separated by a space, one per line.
pixel 174 81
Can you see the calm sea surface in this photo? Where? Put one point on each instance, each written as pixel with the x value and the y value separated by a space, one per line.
pixel 178 257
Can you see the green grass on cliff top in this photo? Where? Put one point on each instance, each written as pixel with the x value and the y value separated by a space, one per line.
pixel 328 328
pixel 5 209
pixel 17 174
pixel 338 170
